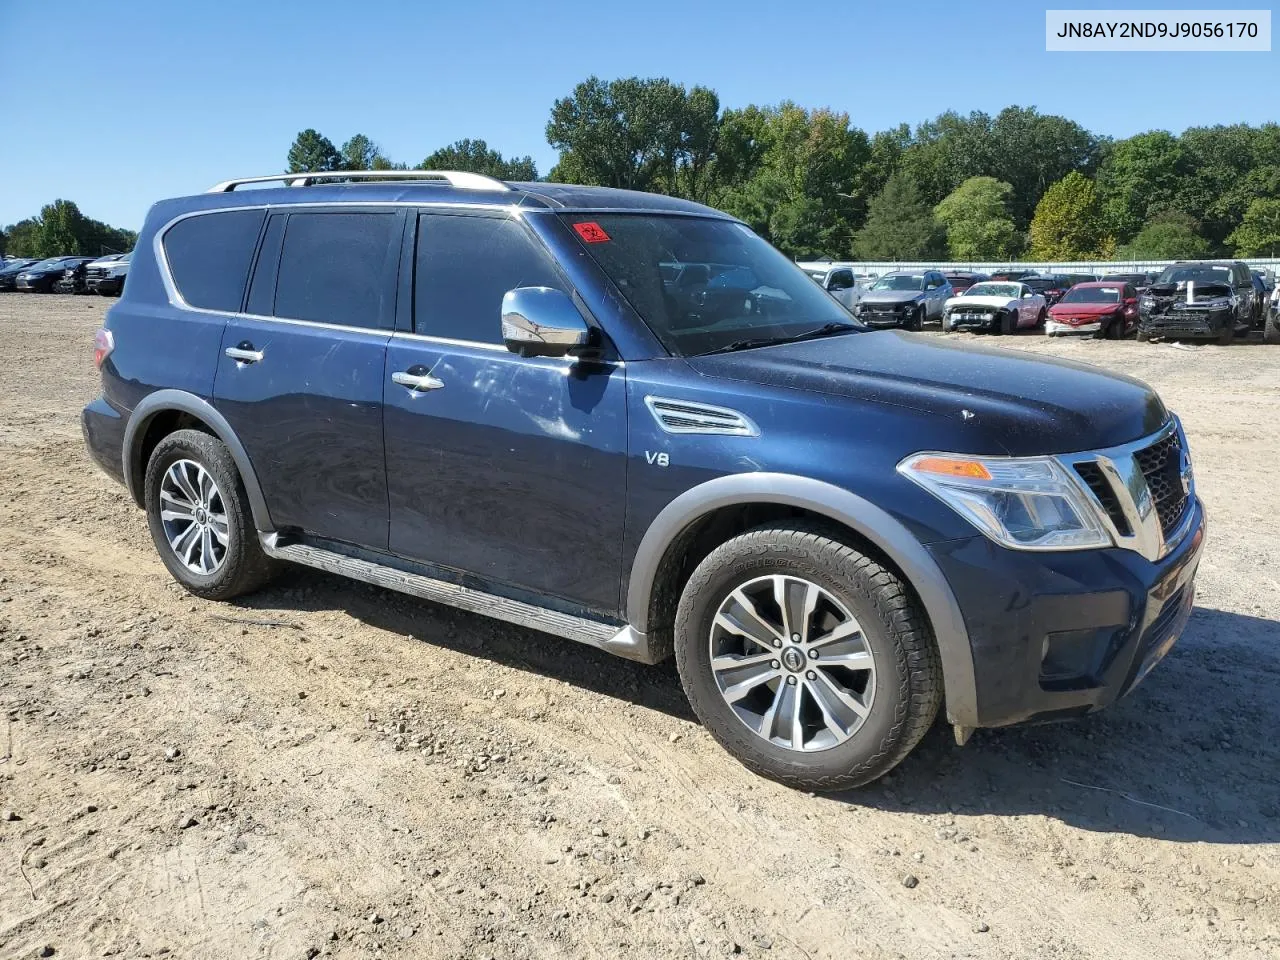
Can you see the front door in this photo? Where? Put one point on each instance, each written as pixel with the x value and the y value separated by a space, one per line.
pixel 300 373
pixel 508 469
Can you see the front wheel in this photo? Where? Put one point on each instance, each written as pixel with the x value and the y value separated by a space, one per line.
pixel 199 517
pixel 807 660
pixel 1008 322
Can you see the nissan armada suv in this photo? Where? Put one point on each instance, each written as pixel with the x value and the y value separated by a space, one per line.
pixel 627 420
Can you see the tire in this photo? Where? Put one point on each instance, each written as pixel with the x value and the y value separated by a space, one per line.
pixel 1271 331
pixel 901 679
pixel 1227 335
pixel 228 569
pixel 915 321
pixel 946 324
pixel 1041 317
pixel 1142 335
pixel 1008 323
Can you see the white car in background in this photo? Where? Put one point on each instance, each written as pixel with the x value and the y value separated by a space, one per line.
pixel 1000 306
pixel 840 282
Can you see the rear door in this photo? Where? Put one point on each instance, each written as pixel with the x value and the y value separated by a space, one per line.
pixel 506 468
pixel 300 373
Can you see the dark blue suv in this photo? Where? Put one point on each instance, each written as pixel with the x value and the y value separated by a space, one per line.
pixel 627 420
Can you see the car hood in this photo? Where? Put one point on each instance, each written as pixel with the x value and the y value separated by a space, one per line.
pixel 1014 403
pixel 890 297
pixel 1083 309
pixel 957 303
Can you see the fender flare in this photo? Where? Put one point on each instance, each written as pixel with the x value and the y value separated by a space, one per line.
pixel 848 509
pixel 163 401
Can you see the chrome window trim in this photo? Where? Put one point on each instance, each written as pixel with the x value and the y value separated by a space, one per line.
pixel 175 296
pixel 745 427
pixel 497 348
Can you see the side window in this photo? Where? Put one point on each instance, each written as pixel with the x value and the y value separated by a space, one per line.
pixel 262 286
pixel 464 266
pixel 209 257
pixel 841 280
pixel 334 269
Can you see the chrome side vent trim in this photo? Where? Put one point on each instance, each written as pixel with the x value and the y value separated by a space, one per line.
pixel 622 641
pixel 688 416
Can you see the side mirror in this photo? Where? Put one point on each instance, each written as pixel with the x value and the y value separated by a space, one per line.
pixel 1027 295
pixel 542 322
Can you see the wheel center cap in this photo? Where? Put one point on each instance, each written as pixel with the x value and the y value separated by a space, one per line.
pixel 793 659
pixel 201 516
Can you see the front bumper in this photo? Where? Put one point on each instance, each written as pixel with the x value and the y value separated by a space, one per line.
pixel 1060 634
pixel 1053 327
pixel 982 321
pixel 1187 323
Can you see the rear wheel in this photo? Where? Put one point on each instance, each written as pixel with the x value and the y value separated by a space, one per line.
pixel 1041 317
pixel 199 517
pixel 808 661
pixel 1143 336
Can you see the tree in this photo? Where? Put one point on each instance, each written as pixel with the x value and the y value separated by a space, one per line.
pixel 639 134
pixel 475 156
pixel 1167 236
pixel 794 175
pixel 313 152
pixel 23 238
pixel 1030 151
pixel 900 225
pixel 61 226
pixel 1259 233
pixel 976 215
pixel 1140 176
pixel 1068 224
pixel 361 153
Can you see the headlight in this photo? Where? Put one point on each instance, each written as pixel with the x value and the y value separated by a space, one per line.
pixel 1147 302
pixel 1026 504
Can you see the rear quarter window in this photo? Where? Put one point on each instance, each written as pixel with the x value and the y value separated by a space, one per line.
pixel 209 257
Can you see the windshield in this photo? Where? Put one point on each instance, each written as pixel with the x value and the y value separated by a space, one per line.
pixel 1137 279
pixel 1092 295
pixel 1010 291
pixel 1041 284
pixel 1197 272
pixel 702 284
pixel 51 262
pixel 900 281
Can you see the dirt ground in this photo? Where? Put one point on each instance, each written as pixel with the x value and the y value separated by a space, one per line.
pixel 329 769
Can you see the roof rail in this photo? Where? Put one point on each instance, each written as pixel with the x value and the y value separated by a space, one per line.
pixel 455 178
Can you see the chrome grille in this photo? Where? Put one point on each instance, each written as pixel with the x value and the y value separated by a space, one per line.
pixel 1161 465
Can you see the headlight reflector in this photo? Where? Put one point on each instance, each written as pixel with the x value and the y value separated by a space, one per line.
pixel 1031 503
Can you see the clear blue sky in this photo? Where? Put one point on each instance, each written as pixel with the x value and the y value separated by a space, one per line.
pixel 115 105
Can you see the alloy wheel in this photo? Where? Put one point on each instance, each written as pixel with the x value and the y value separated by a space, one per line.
pixel 194 517
pixel 792 663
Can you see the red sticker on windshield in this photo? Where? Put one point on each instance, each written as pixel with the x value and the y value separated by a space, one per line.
pixel 591 232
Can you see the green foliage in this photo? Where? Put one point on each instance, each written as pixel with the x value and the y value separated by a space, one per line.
pixel 1167 236
pixel 1259 232
pixel 1140 176
pixel 312 152
pixel 61 229
pixel 639 134
pixel 475 156
pixel 976 215
pixel 794 175
pixel 900 225
pixel 1069 224
pixel 360 153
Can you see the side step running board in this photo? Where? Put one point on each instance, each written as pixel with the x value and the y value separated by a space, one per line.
pixel 624 642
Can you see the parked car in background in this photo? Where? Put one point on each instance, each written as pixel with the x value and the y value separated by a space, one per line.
pixel 73 278
pixel 1260 294
pixel 1104 308
pixel 42 277
pixel 1198 300
pixel 1011 274
pixel 98 270
pixel 1139 281
pixel 841 283
pixel 906 299
pixel 836 532
pixel 996 307
pixel 1051 286
pixel 112 283
pixel 9 272
pixel 1074 278
pixel 962 280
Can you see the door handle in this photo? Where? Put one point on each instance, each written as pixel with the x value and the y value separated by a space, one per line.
pixel 244 353
pixel 416 378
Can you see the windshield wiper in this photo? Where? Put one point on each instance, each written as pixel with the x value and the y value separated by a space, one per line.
pixel 826 330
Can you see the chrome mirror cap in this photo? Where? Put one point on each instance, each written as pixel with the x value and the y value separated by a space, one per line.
pixel 542 322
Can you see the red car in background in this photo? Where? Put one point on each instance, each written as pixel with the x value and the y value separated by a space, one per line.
pixel 1103 308
pixel 962 280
